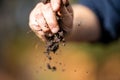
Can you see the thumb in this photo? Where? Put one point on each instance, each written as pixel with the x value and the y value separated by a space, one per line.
pixel 66 20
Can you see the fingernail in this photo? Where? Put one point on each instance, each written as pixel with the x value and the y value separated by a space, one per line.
pixel 55 30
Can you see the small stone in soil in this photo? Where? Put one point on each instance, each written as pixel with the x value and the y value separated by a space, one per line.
pixel 48 66
pixel 49 58
pixel 54 68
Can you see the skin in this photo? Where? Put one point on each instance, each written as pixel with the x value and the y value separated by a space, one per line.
pixel 86 24
pixel 42 20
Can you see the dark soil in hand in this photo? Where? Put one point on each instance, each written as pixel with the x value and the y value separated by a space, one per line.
pixel 52 45
pixel 53 41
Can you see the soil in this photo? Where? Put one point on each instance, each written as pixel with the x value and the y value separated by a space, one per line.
pixel 54 40
pixel 52 45
pixel 52 68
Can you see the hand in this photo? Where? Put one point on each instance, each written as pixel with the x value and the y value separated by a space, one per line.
pixel 43 20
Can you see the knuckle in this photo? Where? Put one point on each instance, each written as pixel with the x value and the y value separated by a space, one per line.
pixel 47 6
pixel 38 15
pixel 52 25
pixel 39 5
pixel 31 14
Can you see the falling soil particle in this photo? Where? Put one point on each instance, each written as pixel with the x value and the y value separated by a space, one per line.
pixel 87 72
pixel 52 68
pixel 44 69
pixel 75 71
pixel 49 66
pixel 63 70
pixel 60 63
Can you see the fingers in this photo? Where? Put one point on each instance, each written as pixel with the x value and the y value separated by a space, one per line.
pixel 66 11
pixel 41 35
pixel 43 17
pixel 34 22
pixel 69 7
pixel 66 14
pixel 67 18
pixel 41 20
pixel 55 5
pixel 50 18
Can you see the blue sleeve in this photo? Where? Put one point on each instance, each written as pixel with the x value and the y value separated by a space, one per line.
pixel 108 13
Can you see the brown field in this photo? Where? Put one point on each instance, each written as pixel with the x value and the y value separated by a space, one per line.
pixel 75 61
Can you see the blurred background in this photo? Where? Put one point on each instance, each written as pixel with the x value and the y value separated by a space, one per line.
pixel 22 57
